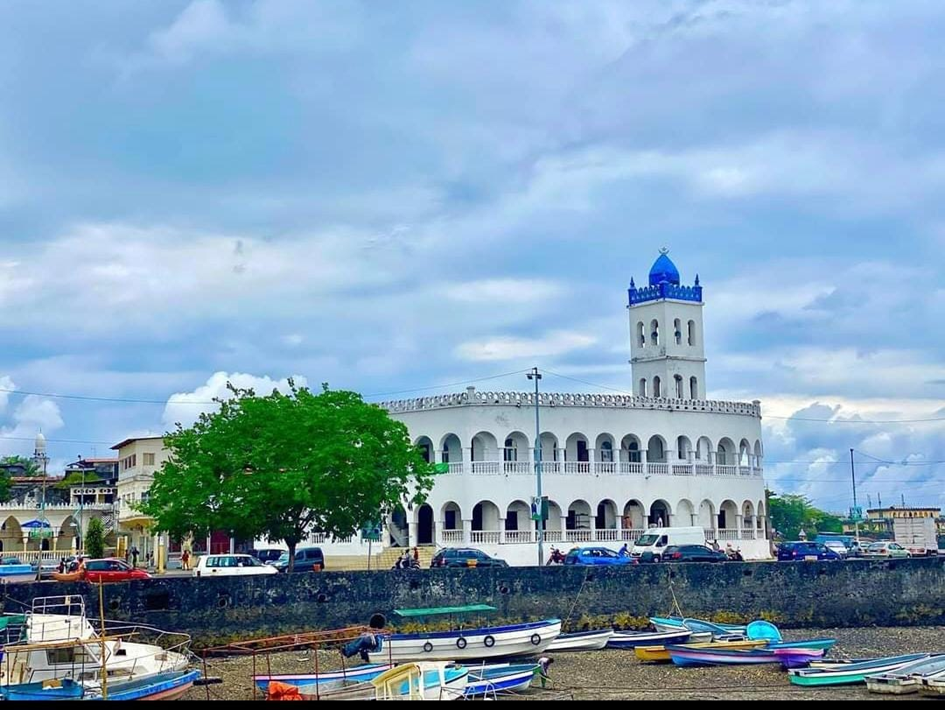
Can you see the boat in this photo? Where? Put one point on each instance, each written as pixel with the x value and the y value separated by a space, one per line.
pixel 582 641
pixel 934 686
pixel 164 686
pixel 515 640
pixel 824 644
pixel 501 678
pixel 847 673
pixel 411 681
pixel 763 630
pixel 54 689
pixel 307 681
pixel 11 573
pixel 634 639
pixel 674 623
pixel 659 654
pixel 684 656
pixel 76 576
pixel 59 643
pixel 908 678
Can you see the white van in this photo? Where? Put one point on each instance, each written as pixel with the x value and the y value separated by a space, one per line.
pixel 655 540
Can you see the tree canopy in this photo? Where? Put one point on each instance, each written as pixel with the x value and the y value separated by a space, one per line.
pixel 282 465
pixel 95 539
pixel 29 466
pixel 792 513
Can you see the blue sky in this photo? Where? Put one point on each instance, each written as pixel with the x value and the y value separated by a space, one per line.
pixel 392 197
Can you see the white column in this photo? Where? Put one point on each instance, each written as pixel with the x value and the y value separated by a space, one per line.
pixel 501 531
pixel 412 534
pixel 467 528
pixel 738 525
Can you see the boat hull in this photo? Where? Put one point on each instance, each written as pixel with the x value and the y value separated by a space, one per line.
pixel 848 674
pixel 519 640
pixel 453 687
pixel 629 640
pixel 500 679
pixel 582 641
pixel 659 654
pixel 305 681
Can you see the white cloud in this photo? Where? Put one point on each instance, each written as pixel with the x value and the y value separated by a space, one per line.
pixel 186 407
pixel 511 348
pixel 502 292
pixel 32 415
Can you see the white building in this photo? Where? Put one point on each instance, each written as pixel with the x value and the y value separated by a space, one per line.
pixel 612 465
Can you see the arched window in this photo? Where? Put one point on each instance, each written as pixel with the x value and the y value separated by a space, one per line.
pixel 655 332
pixel 643 387
pixel 511 452
pixel 606 451
pixel 641 334
pixel 692 332
pixel 678 380
pixel 693 388
pixel 657 389
pixel 677 328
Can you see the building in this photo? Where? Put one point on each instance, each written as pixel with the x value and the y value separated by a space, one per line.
pixel 92 481
pixel 879 521
pixel 138 459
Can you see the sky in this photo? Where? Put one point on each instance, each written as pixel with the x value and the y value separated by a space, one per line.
pixel 389 197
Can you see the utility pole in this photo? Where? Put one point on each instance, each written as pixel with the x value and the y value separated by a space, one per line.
pixel 540 523
pixel 856 511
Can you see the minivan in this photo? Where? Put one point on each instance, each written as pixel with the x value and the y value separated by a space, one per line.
pixel 305 560
pixel 656 540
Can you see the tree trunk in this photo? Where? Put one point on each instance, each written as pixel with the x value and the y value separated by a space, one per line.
pixel 292 544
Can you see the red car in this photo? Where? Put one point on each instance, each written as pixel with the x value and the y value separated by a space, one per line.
pixel 112 570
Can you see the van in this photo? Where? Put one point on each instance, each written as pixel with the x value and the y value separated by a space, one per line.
pixel 655 540
pixel 305 560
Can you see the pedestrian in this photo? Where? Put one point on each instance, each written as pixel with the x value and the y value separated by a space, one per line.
pixel 715 545
pixel 62 565
pixel 185 560
pixel 134 556
pixel 416 556
pixel 624 551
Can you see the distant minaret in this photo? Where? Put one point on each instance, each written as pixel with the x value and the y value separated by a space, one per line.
pixel 666 339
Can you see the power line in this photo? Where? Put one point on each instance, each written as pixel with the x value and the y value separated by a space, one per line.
pixel 451 384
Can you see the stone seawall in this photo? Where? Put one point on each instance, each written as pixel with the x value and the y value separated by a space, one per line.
pixel 792 594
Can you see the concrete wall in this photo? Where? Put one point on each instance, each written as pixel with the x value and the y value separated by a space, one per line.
pixel 810 594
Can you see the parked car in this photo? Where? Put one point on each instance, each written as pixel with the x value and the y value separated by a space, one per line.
pixel 48 567
pixel 802 550
pixel 888 550
pixel 231 566
pixel 692 553
pixel 596 556
pixel 838 547
pixel 10 560
pixel 465 557
pixel 268 555
pixel 112 569
pixel 305 560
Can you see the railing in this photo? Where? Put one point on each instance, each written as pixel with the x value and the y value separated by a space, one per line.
pixel 518 537
pixel 711 534
pixel 682 469
pixel 577 466
pixel 608 535
pixel 605 467
pixel 486 467
pixel 744 471
pixel 726 470
pixel 517 467
pixel 452 535
pixel 12 505
pixel 748 534
pixel 577 535
pixel 728 535
pixel 657 469
pixel 455 468
pixel 630 467
pixel 551 467
pixel 631 534
pixel 552 536
pixel 704 469
pixel 486 537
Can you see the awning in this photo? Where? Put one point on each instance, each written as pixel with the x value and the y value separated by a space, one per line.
pixel 36 524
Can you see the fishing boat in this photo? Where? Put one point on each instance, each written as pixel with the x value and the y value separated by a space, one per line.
pixel 684 656
pixel 411 681
pixel 824 644
pixel 76 576
pixel 634 639
pixel 164 686
pixel 16 572
pixel 674 623
pixel 848 673
pixel 306 682
pixel 515 640
pixel 659 654
pixel 501 678
pixel 582 641
pixel 908 678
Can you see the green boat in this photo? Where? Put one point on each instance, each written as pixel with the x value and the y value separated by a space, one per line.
pixel 850 673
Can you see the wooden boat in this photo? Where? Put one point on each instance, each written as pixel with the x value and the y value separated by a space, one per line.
pixel 76 576
pixel 501 678
pixel 17 573
pixel 824 644
pixel 633 639
pixel 674 623
pixel 684 656
pixel 847 673
pixel 422 681
pixel 582 641
pixel 515 640
pixel 165 686
pixel 934 686
pixel 659 654
pixel 306 682
pixel 908 678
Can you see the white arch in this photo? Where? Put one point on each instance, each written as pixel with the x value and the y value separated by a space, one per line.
pixel 515 447
pixel 606 518
pixel 661 513
pixel 577 448
pixel 604 447
pixel 683 447
pixel 642 390
pixel 728 515
pixel 693 387
pixel 485 447
pixel 657 387
pixel 579 515
pixel 518 516
pixel 656 449
pixel 684 514
pixel 425 444
pixel 726 453
pixel 451 449
pixel 677 331
pixel 641 334
pixel 454 521
pixel 634 515
pixel 707 517
pixel 655 331
pixel 554 516
pixel 630 448
pixel 485 516
pixel 549 446
pixel 678 390
pixel 703 448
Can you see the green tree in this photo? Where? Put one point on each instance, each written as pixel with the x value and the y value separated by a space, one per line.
pixel 95 539
pixel 5 486
pixel 791 513
pixel 283 465
pixel 30 467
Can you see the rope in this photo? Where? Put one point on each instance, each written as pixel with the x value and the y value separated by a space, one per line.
pixel 577 596
pixel 672 591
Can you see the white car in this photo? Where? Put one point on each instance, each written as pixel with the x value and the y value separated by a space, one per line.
pixel 231 566
pixel 837 547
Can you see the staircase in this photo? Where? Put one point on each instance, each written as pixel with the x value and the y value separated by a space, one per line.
pixel 390 555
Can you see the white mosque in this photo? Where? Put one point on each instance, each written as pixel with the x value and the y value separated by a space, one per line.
pixel 612 465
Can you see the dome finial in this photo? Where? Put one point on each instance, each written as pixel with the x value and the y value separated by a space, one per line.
pixel 664 250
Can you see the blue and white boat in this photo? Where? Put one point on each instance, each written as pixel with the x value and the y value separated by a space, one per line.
pixel 675 623
pixel 582 641
pixel 163 686
pixel 500 678
pixel 12 570
pixel 635 639
pixel 306 682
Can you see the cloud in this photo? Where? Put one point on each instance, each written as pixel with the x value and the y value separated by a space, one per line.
pixel 32 415
pixel 512 348
pixel 501 292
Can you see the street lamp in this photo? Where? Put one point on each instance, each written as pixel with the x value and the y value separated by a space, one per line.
pixel 540 523
pixel 39 455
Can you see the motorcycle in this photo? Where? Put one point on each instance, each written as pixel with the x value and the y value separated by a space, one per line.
pixel 406 563
pixel 556 558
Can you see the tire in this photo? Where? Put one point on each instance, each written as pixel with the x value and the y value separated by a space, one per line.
pixel 535 639
pixel 489 641
pixel 460 643
pixel 657 558
pixel 427 647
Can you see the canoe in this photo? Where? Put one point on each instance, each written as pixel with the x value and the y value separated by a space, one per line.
pixel 671 623
pixel 67 576
pixel 908 678
pixel 659 654
pixel 848 673
pixel 502 678
pixel 633 639
pixel 683 656
pixel 824 644
pixel 582 641
pixel 306 681
pixel 517 640
pixel 163 686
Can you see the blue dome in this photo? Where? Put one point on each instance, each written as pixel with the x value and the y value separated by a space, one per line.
pixel 664 270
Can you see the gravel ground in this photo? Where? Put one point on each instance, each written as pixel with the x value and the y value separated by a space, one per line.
pixel 618 675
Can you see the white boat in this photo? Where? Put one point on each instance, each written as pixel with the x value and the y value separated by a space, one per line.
pixel 582 641
pixel 517 640
pixel 934 686
pixel 411 681
pixel 907 679
pixel 61 644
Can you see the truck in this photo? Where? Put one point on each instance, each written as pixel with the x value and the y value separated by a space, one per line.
pixel 655 540
pixel 917 535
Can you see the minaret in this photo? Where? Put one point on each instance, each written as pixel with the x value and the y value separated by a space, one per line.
pixel 666 338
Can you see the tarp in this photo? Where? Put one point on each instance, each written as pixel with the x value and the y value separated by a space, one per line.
pixel 441 610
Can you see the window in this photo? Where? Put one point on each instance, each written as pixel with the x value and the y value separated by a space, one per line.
pixel 446 453
pixel 692 332
pixel 641 335
pixel 655 332
pixel 606 451
pixel 657 390
pixel 679 390
pixel 149 459
pixel 643 387
pixel 677 331
pixel 510 452
pixel 693 388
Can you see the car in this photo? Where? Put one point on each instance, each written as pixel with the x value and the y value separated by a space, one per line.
pixel 47 567
pixel 838 547
pixel 268 555
pixel 305 560
pixel 887 550
pixel 465 557
pixel 596 556
pixel 804 550
pixel 693 553
pixel 231 566
pixel 111 569
pixel 10 560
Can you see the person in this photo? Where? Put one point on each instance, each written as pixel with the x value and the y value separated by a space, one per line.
pixel 715 545
pixel 416 557
pixel 134 556
pixel 185 560
pixel 624 551
pixel 62 565
pixel 738 555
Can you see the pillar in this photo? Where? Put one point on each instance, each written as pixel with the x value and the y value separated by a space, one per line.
pixel 232 545
pixel 738 525
pixel 412 534
pixel 467 527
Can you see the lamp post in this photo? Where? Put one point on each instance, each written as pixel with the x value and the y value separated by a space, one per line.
pixel 39 455
pixel 540 523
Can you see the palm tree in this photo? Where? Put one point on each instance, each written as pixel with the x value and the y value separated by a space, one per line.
pixel 30 467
